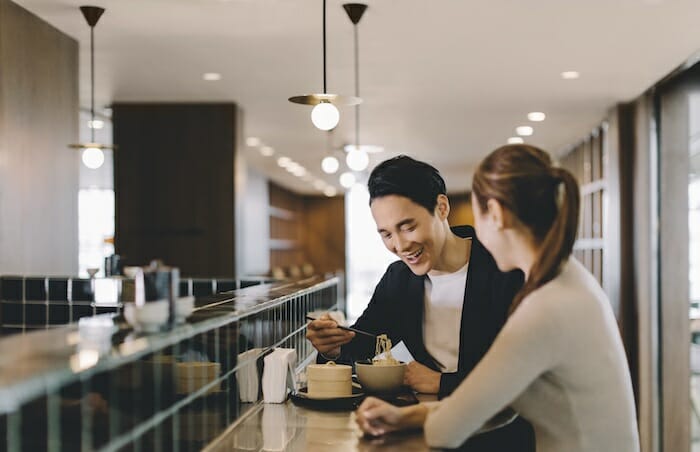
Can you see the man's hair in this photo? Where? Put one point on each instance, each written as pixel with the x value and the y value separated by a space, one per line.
pixel 404 176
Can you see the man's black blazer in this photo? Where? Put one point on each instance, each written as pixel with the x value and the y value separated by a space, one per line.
pixel 396 309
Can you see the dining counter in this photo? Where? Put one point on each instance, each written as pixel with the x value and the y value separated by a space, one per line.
pixel 286 427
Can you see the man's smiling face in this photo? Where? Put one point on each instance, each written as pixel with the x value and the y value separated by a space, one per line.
pixel 410 231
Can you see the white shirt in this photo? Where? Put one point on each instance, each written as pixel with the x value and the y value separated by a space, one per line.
pixel 442 308
pixel 560 363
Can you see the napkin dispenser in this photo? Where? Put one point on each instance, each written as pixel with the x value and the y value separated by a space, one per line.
pixel 277 372
pixel 248 380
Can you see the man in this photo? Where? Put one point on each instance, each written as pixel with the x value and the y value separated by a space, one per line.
pixel 445 298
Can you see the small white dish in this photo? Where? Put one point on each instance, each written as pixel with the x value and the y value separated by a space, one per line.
pixel 149 317
pixel 183 308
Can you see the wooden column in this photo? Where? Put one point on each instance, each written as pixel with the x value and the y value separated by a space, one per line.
pixel 174 185
pixel 38 119
pixel 674 135
pixel 644 266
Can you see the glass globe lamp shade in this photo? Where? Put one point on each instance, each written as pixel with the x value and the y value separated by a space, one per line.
pixel 347 179
pixel 325 116
pixel 93 158
pixel 357 159
pixel 330 165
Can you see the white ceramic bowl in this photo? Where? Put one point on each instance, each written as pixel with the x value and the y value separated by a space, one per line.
pixel 382 379
pixel 149 317
pixel 183 308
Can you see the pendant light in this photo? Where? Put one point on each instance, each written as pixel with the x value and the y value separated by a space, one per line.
pixel 357 157
pixel 347 179
pixel 325 115
pixel 92 157
pixel 330 164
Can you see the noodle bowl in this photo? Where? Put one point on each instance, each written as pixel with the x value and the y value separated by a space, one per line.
pixel 383 347
pixel 385 373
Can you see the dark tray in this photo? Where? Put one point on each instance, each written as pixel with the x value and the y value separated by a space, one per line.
pixel 404 397
pixel 348 403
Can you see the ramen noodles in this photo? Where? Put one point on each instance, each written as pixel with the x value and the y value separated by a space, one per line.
pixel 383 347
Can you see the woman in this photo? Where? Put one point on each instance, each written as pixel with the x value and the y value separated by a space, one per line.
pixel 558 360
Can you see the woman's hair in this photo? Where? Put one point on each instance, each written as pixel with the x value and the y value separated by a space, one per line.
pixel 407 177
pixel 524 181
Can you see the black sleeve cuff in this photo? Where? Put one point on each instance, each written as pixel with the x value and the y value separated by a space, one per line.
pixel 448 383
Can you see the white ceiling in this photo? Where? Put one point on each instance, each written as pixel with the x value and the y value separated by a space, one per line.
pixel 444 81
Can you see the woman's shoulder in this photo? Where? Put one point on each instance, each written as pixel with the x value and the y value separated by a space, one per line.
pixel 573 290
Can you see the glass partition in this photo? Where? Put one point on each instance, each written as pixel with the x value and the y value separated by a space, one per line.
pixel 99 385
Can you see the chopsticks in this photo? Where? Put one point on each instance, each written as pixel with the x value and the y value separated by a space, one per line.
pixel 347 328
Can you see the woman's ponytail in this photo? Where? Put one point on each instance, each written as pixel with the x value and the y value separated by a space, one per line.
pixel 558 242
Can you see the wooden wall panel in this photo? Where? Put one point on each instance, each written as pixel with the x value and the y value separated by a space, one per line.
pixel 174 185
pixel 306 229
pixel 286 228
pixel 324 232
pixel 39 174
pixel 460 209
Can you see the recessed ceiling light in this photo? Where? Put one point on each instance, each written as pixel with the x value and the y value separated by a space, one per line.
pixel 570 75
pixel 252 141
pixel 267 151
pixel 330 191
pixel 211 76
pixel 515 140
pixel 284 161
pixel 536 116
pixel 524 131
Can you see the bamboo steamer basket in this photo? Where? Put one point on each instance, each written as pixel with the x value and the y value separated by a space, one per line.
pixel 329 380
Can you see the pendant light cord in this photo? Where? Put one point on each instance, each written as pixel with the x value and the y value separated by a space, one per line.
pixel 357 90
pixel 92 84
pixel 329 143
pixel 324 47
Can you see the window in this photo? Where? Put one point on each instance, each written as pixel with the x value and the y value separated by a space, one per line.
pixel 95 228
pixel 95 203
pixel 367 258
